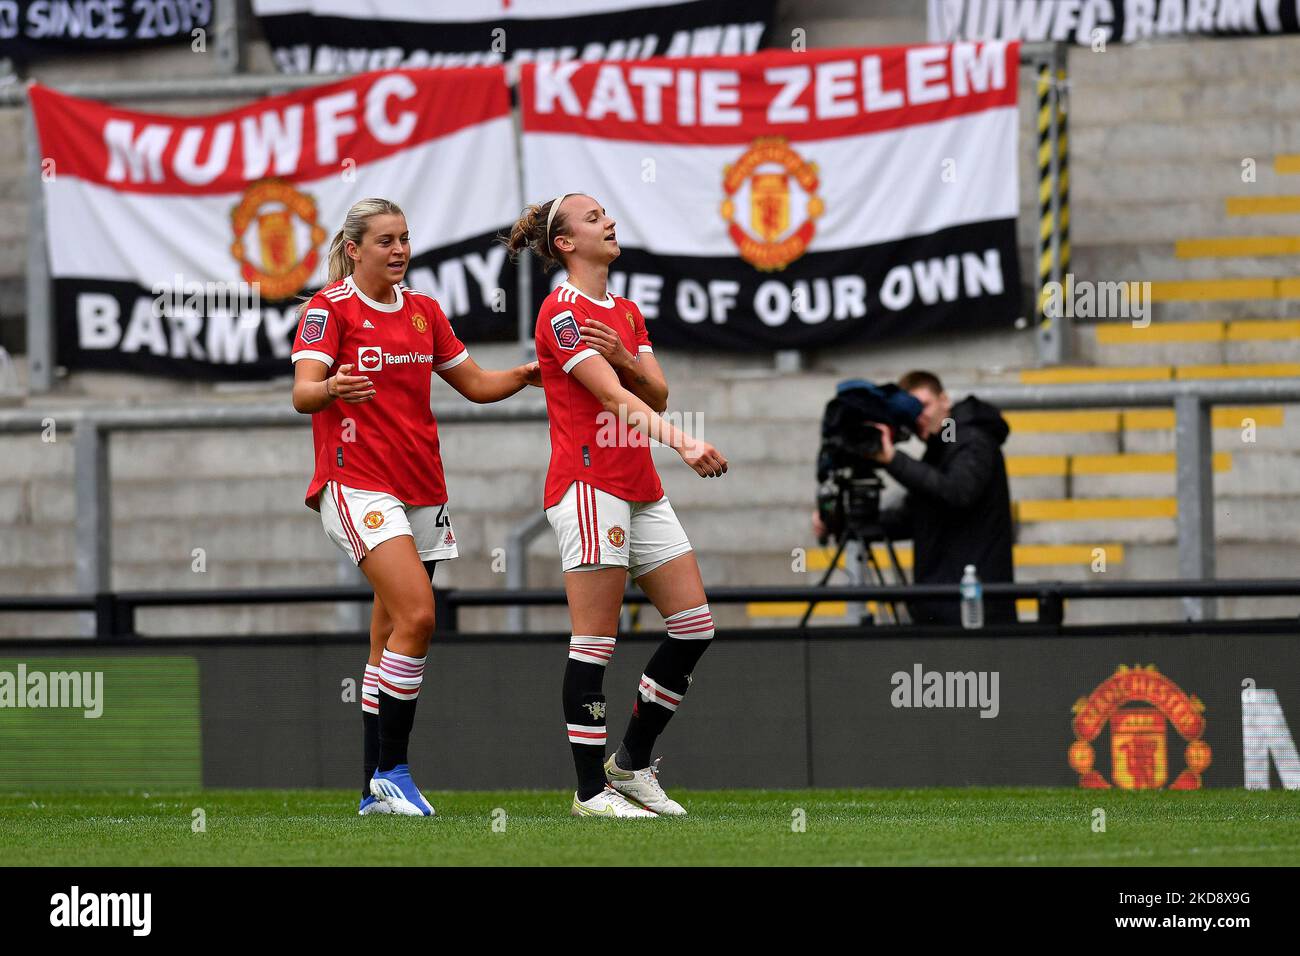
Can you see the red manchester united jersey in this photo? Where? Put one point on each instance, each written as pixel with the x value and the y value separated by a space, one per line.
pixel 587 442
pixel 389 443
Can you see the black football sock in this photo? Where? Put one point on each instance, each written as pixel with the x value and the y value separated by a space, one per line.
pixel 369 727
pixel 663 685
pixel 399 691
pixel 370 731
pixel 584 709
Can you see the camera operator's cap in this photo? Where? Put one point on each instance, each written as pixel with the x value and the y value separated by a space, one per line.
pixel 901 408
pixel 905 405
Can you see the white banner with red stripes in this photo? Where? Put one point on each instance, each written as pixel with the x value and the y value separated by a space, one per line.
pixel 179 245
pixel 791 200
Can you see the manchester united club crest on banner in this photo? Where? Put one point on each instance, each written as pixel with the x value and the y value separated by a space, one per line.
pixel 277 237
pixel 1139 705
pixel 773 178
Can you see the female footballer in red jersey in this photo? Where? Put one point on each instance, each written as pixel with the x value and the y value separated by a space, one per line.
pixel 363 359
pixel 604 390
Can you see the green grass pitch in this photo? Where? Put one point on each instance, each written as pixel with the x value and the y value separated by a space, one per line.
pixel 745 827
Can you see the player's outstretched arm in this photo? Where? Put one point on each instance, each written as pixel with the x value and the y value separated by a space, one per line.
pixel 482 385
pixel 601 380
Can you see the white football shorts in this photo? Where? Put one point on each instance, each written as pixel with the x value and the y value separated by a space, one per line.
pixel 598 530
pixel 359 520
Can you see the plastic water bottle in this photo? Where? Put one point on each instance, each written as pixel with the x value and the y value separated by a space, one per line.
pixel 972 599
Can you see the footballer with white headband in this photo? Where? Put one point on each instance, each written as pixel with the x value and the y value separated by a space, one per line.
pixel 604 390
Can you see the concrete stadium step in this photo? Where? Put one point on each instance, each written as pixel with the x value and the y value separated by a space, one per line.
pixel 1179 100
pixel 1089 476
pixel 1178 260
pixel 746 443
pixel 1238 247
pixel 1228 330
pixel 1225 138
pixel 1169 311
pixel 1073 375
pixel 1236 429
pixel 1057 557
pixel 1147 520
pixel 1132 223
pixel 1105 181
pixel 1250 472
pixel 1107 431
pixel 25 457
pixel 1125 68
pixel 285 452
pixel 1093 509
pixel 760 485
pixel 1207 342
pixel 156 499
pixel 42 549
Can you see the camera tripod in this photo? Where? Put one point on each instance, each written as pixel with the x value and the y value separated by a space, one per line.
pixel 860 559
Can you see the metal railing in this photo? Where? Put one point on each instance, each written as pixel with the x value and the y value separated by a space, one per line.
pixel 115 612
pixel 92 431
pixel 1192 402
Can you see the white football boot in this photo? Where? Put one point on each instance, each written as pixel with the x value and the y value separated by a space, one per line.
pixel 642 787
pixel 607 803
pixel 371 805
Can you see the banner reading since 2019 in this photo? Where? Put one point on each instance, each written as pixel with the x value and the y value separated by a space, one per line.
pixel 792 200
pixel 181 245
pixel 34 29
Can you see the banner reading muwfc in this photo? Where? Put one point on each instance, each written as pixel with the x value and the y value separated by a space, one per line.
pixel 181 245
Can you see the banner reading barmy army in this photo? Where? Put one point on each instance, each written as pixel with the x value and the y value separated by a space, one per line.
pixel 1097 22
pixel 181 245
pixel 335 36
pixel 792 200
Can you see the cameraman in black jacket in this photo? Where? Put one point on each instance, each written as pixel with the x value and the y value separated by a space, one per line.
pixel 957 510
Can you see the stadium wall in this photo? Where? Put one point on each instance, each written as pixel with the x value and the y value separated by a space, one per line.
pixel 1161 711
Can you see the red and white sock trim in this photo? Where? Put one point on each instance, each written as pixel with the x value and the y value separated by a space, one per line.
pixel 401 676
pixel 587 734
pixel 370 690
pixel 590 649
pixel 693 624
pixel 653 693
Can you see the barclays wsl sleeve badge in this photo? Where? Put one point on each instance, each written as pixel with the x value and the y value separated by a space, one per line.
pixel 565 327
pixel 313 326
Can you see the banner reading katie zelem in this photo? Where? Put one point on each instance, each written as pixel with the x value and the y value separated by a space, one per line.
pixel 791 200
pixel 179 245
